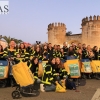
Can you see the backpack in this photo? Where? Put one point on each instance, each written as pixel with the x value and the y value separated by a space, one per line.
pixel 70 84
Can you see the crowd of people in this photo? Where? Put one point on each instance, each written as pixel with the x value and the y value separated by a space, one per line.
pixel 55 55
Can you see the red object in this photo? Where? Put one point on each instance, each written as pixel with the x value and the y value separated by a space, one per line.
pixel 25 43
pixel 77 91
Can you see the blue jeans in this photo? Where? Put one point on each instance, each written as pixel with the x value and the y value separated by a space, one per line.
pixel 49 88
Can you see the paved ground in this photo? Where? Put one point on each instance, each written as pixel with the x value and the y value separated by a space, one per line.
pixel 86 93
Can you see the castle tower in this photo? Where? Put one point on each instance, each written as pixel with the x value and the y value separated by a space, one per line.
pixel 91 31
pixel 56 33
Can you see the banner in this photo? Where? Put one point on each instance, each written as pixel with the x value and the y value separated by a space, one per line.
pixel 95 64
pixel 74 68
pixel 3 72
pixel 86 67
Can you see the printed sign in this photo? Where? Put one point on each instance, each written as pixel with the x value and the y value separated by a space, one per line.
pixel 87 67
pixel 2 71
pixel 74 70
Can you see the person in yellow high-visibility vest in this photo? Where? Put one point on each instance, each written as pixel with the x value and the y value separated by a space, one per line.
pixel 62 74
pixel 49 77
pixel 34 67
pixel 1 52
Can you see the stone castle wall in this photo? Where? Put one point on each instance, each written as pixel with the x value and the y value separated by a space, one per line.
pixel 77 38
pixel 56 33
pixel 90 32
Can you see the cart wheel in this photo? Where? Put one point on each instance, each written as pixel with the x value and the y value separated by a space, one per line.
pixel 15 95
pixel 3 83
pixel 12 84
pixel 18 88
pixel 35 93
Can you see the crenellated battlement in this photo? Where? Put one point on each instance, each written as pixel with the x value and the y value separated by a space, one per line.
pixel 56 25
pixel 89 19
pixel 90 34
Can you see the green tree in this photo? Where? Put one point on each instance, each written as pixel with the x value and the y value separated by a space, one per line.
pixel 7 39
pixel 17 41
pixel 0 37
pixel 68 33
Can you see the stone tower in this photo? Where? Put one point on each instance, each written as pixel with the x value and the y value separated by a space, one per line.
pixel 56 33
pixel 91 30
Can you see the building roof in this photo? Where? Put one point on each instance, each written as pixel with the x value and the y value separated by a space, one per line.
pixel 74 34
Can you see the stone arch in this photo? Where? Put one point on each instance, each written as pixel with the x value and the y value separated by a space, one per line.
pixel 75 41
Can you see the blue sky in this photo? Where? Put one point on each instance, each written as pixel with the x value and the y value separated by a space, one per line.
pixel 28 19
